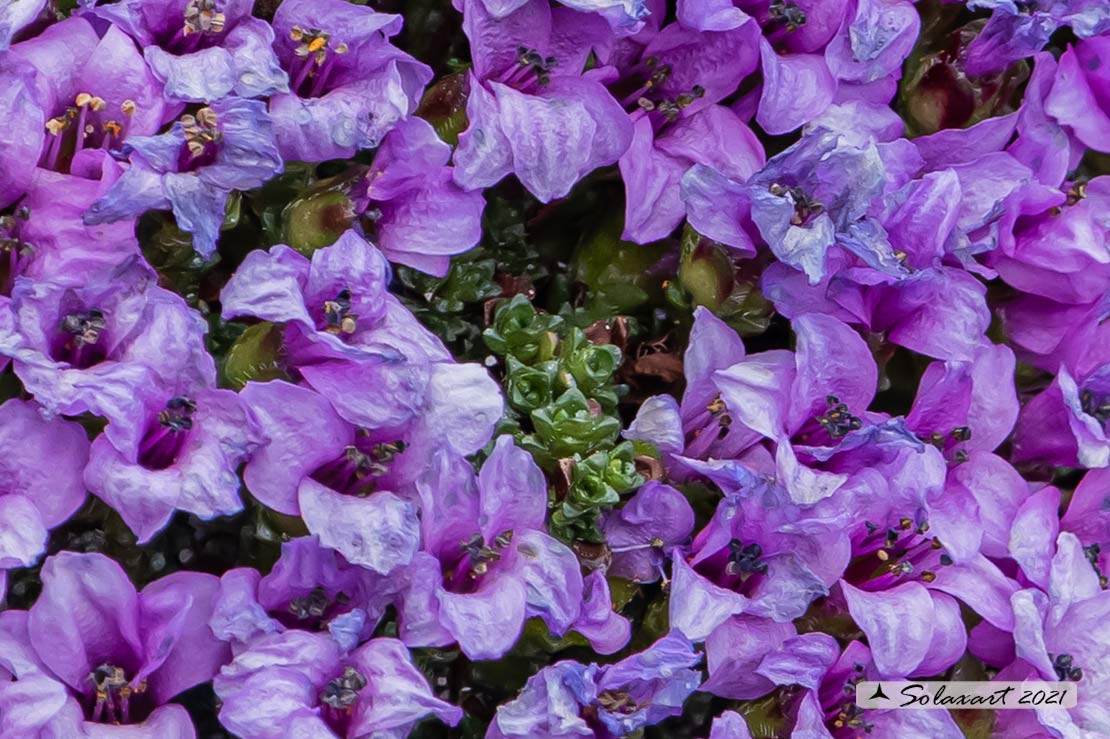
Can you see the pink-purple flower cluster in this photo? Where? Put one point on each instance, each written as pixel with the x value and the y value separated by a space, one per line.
pixel 904 472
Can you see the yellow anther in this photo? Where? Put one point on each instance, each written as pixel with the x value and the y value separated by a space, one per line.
pixel 317 43
pixel 127 106
pixel 56 125
pixel 883 555
pixel 297 33
pixel 82 99
pixel 341 49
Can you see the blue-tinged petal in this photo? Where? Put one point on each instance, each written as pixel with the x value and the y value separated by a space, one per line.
pixel 711 15
pixel 268 285
pixel 483 155
pixel 16 15
pixel 22 534
pixel 139 189
pixel 875 42
pixel 717 207
pixel 551 576
pixel 487 622
pixel 697 606
pixel 380 532
pixel 796 89
pixel 201 76
pixel 198 208
pixel 256 70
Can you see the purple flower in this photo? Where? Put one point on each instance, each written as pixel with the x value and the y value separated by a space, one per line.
pixel 202 50
pixel 963 405
pixel 348 85
pixel 421 217
pixel 193 168
pixel 310 588
pixel 86 348
pixel 1061 253
pixel 486 563
pixel 749 657
pixel 1014 32
pixel 343 331
pixel 100 654
pixel 303 683
pixel 657 194
pixel 94 92
pixel 817 194
pixel 531 111
pixel 338 478
pixel 180 452
pixel 1056 636
pixel 40 479
pixel 831 710
pixel 642 532
pixel 625 16
pixel 46 238
pixel 1066 424
pixel 20 140
pixel 568 699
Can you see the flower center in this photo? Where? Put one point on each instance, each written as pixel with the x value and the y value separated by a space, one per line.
pixel 787 14
pixel 201 23
pixel 114 693
pixel 745 560
pixel 202 139
pixel 841 709
pixel 617 701
pixel 80 345
pixel 837 420
pixel 1092 553
pixel 646 98
pixel 1096 406
pixel 338 318
pixel 83 125
pixel 475 560
pixel 1065 668
pixel 163 441
pixel 202 16
pixel 904 552
pixel 805 207
pixel 315 62
pixel 14 251
pixel 356 470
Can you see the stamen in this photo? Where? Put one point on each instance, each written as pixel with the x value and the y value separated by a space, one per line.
pixel 837 420
pixel 202 17
pixel 1065 668
pixel 201 131
pixel 341 693
pixel 745 561
pixel 338 316
pixel 313 605
pixel 805 207
pixel 178 415
pixel 84 327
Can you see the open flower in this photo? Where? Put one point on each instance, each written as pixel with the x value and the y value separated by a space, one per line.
pixel 202 50
pixel 181 452
pixel 348 85
pixel 193 168
pixel 313 688
pixel 110 659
